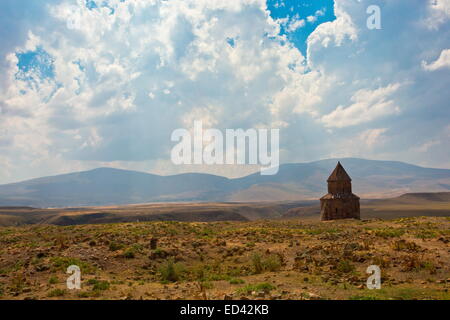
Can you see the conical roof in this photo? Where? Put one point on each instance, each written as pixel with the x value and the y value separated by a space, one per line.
pixel 339 174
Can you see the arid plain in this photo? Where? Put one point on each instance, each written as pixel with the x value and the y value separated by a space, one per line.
pixel 238 251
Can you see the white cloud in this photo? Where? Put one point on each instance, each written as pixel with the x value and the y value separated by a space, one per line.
pixel 295 24
pixel 107 103
pixel 320 13
pixel 311 19
pixel 373 137
pixel 337 30
pixel 124 81
pixel 367 106
pixel 442 62
pixel 438 13
pixel 365 144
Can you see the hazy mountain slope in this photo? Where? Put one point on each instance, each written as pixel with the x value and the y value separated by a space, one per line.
pixel 105 186
pixel 371 178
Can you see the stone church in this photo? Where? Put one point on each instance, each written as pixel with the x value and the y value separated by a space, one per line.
pixel 340 202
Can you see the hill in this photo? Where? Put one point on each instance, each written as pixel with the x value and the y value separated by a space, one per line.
pixel 294 182
pixel 407 205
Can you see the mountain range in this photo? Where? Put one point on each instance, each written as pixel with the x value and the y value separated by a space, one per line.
pixel 294 181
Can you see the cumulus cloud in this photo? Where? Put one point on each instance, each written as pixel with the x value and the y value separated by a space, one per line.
pixel 124 74
pixel 336 31
pixel 438 13
pixel 127 74
pixel 442 62
pixel 367 106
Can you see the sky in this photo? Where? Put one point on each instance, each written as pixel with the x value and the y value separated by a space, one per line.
pixel 86 84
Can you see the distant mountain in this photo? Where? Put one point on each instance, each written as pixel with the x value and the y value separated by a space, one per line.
pixel 371 179
pixel 106 186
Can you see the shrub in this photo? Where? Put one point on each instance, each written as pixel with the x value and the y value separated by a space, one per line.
pixel 53 280
pixel 114 246
pixel 416 263
pixel 236 281
pixel 98 285
pixel 62 263
pixel 129 253
pixel 205 285
pixel 426 234
pixel 403 245
pixel 18 282
pixel 270 263
pixel 101 286
pixel 345 266
pixel 56 293
pixel 171 271
pixel 84 294
pixel 389 233
pixel 257 263
pixel 158 254
pixel 381 261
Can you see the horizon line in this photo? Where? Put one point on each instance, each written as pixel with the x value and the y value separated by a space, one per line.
pixel 212 174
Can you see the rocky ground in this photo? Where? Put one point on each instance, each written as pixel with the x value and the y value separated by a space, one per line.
pixel 289 259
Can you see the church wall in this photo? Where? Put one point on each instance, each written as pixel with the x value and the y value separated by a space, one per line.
pixel 339 209
pixel 339 187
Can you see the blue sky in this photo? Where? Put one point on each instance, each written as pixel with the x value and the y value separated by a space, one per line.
pixel 300 18
pixel 96 83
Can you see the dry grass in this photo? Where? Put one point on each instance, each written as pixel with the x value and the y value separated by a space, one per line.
pixel 283 259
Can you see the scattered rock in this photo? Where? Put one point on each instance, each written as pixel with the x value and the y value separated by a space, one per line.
pixel 41 267
pixel 153 243
pixel 313 296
